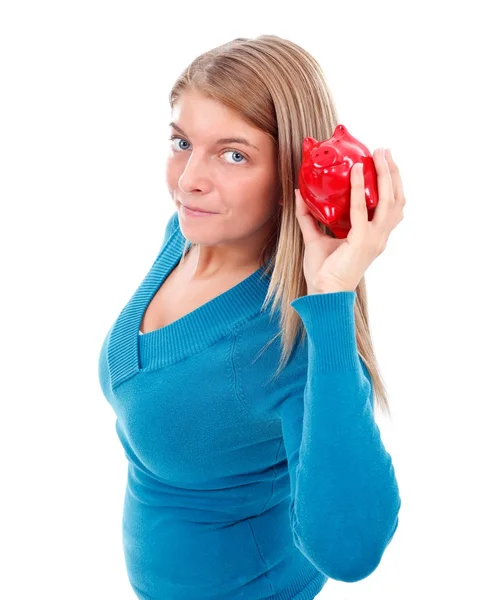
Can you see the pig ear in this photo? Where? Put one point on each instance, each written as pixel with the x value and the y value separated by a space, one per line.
pixel 308 144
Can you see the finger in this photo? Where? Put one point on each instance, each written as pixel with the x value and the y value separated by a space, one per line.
pixel 386 198
pixel 306 220
pixel 396 179
pixel 358 212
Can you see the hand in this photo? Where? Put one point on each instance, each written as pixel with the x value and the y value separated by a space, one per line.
pixel 336 265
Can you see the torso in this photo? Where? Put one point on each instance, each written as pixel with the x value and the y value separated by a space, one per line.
pixel 179 296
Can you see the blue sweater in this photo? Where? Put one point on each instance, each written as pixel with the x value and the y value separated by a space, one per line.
pixel 240 485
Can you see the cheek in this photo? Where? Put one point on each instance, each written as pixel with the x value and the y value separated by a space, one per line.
pixel 252 198
pixel 173 172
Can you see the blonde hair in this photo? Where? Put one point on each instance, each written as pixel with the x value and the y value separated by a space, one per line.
pixel 278 87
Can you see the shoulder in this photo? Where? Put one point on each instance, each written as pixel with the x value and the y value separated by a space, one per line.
pixel 171 226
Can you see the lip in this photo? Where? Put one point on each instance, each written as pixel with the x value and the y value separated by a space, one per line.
pixel 194 213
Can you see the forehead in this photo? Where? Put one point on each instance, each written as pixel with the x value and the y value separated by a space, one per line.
pixel 208 120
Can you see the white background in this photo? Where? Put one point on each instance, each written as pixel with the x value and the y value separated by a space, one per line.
pixel 83 138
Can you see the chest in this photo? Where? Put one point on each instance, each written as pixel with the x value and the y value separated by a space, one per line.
pixel 178 296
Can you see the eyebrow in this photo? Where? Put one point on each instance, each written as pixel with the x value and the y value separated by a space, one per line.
pixel 226 140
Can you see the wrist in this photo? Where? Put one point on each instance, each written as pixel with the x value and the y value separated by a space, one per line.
pixel 328 289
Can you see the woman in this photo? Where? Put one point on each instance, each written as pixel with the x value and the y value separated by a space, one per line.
pixel 247 481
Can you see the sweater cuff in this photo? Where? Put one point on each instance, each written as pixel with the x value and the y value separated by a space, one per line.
pixel 330 325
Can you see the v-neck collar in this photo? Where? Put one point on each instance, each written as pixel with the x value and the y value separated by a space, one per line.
pixel 130 352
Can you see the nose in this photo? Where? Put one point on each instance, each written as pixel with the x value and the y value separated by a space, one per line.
pixel 324 156
pixel 195 176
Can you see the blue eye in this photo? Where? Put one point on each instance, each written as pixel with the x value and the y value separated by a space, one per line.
pixel 174 137
pixel 237 153
pixel 234 152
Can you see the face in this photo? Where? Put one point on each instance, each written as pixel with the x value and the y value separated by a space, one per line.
pixel 237 182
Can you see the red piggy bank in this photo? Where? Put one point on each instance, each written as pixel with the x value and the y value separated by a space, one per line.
pixel 324 179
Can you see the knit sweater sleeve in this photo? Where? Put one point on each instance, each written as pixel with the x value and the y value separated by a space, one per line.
pixel 344 494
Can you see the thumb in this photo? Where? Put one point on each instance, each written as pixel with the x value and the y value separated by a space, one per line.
pixel 306 220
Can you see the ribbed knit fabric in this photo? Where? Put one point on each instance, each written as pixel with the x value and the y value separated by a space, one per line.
pixel 240 485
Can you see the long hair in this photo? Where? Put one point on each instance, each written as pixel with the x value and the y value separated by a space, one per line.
pixel 278 87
